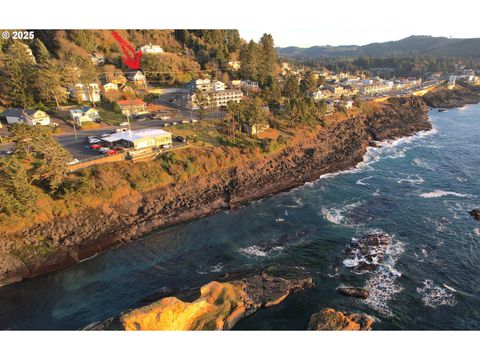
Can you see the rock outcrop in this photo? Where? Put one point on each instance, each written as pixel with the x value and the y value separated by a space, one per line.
pixel 329 319
pixel 451 98
pixel 367 252
pixel 220 305
pixel 353 291
pixel 338 146
pixel 475 214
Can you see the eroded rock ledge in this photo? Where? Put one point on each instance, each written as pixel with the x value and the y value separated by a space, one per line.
pixel 220 305
pixel 330 319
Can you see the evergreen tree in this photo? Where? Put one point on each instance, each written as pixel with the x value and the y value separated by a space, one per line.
pixel 19 69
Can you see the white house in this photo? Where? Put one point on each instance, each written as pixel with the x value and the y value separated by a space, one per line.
pixel 151 49
pixel 29 117
pixel 84 93
pixel 84 114
pixel 137 78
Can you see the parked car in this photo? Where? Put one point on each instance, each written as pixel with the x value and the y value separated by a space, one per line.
pixel 121 129
pixel 112 152
pixel 166 146
pixel 73 162
pixel 164 117
pixel 125 123
pixel 93 140
pixel 103 150
pixel 95 146
pixel 180 139
pixel 9 151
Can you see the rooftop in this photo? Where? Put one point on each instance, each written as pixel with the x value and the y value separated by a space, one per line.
pixel 133 135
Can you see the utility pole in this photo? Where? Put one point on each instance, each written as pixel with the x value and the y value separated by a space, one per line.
pixel 75 130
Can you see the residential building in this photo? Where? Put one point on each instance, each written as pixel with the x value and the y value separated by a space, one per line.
pixel 206 85
pixel 234 65
pixel 237 84
pixel 140 139
pixel 249 85
pixel 137 78
pixel 85 93
pixel 83 115
pixel 151 49
pixel 216 98
pixel 110 86
pixel 97 58
pixel 254 129
pixel 132 106
pixel 28 116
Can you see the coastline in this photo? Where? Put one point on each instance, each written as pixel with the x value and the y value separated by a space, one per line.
pixel 339 148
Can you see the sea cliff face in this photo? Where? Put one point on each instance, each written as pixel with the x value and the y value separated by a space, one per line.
pixel 339 146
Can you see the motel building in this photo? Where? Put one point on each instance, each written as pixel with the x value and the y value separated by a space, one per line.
pixel 140 142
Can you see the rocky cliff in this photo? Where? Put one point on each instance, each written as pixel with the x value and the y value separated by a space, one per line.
pixel 451 98
pixel 338 146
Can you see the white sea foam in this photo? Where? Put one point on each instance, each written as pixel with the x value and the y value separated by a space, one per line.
pixel 435 296
pixel 476 231
pixel 440 193
pixel 362 181
pixel 253 250
pixel 412 179
pixel 376 193
pixel 382 287
pixel 422 163
pixel 339 215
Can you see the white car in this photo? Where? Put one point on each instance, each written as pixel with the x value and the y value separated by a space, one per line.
pixel 125 123
pixel 73 162
pixel 9 151
pixel 104 150
pixel 94 141
pixel 121 129
pixel 164 117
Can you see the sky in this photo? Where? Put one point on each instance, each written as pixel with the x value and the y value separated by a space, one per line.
pixel 301 23
pixel 309 23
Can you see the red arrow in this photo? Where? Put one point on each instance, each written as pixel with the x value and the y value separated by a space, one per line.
pixel 131 58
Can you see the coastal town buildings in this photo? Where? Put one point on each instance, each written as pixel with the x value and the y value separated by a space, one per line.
pixel 84 92
pixel 215 98
pixel 132 106
pixel 206 85
pixel 137 78
pixel 26 116
pixel 83 115
pixel 151 49
pixel 140 139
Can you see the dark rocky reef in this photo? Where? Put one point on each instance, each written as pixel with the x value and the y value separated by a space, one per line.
pixel 475 214
pixel 368 252
pixel 329 319
pixel 353 291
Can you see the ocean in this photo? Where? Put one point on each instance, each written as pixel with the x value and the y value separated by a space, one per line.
pixel 418 190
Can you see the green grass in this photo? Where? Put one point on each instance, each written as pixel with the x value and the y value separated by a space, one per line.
pixel 111 117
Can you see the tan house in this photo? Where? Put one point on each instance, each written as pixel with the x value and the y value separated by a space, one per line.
pixel 110 86
pixel 133 106
pixel 255 128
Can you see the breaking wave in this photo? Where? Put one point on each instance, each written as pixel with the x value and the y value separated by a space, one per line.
pixel 435 296
pixel 440 193
pixel 339 216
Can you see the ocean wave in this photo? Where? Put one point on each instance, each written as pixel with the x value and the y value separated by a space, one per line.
pixel 435 296
pixel 423 164
pixel 440 193
pixel 211 269
pixel 476 231
pixel 253 250
pixel 362 181
pixel 382 288
pixel 339 215
pixel 412 179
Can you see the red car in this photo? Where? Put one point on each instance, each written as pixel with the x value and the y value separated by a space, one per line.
pixel 95 146
pixel 112 152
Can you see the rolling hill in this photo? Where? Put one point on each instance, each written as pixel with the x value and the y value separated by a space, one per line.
pixel 412 45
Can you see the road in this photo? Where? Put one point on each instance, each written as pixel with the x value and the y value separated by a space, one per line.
pixel 78 146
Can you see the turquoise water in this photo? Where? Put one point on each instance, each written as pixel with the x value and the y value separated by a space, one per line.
pixel 418 190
